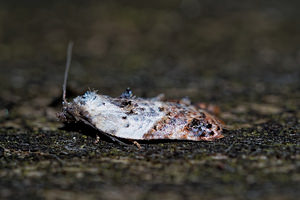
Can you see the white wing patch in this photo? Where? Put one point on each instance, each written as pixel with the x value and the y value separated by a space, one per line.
pixel 118 121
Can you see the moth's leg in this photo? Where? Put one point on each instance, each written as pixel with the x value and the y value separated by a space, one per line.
pixel 114 139
pixel 137 144
pixel 97 139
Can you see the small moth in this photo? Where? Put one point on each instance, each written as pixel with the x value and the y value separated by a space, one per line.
pixel 132 118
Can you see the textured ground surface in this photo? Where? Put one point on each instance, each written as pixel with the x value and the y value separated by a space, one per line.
pixel 242 57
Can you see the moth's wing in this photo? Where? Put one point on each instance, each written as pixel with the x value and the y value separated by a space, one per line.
pixel 79 118
pixel 186 123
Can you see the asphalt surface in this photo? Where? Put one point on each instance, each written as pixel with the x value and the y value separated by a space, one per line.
pixel 242 57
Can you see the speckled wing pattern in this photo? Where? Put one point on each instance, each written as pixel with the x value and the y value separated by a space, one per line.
pixel 144 119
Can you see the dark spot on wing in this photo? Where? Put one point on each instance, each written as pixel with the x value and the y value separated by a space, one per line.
pixel 141 109
pixel 130 112
pixel 152 110
pixel 202 115
pixel 195 123
pixel 125 103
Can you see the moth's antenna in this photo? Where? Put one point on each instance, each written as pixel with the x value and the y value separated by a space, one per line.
pixel 68 63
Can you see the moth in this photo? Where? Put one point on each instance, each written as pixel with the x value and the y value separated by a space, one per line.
pixel 132 118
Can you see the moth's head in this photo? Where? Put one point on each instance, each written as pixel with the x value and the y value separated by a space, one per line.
pixel 68 113
pixel 76 109
pixel 63 116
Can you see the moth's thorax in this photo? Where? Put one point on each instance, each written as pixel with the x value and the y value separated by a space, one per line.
pixel 144 119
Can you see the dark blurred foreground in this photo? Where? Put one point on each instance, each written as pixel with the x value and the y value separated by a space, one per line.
pixel 243 57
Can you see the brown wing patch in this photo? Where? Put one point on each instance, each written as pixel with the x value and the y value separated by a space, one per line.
pixel 185 123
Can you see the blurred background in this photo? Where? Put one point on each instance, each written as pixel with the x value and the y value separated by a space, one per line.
pixel 211 51
pixel 204 49
pixel 243 56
